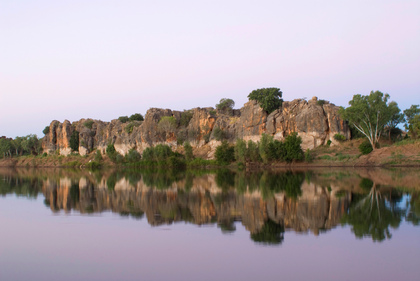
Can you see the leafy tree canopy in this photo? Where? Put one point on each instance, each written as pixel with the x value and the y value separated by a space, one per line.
pixel 225 105
pixel 268 98
pixel 369 114
pixel 412 116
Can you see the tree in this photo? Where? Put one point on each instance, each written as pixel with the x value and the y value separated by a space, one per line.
pixel 74 141
pixel 396 118
pixel 188 151
pixel 167 124
pixel 225 105
pixel 268 98
pixel 136 117
pixel 412 117
pixel 369 114
pixel 225 153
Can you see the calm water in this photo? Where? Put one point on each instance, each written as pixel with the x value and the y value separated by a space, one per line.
pixel 220 225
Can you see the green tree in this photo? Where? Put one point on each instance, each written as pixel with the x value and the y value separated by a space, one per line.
pixel 46 130
pixel 271 234
pixel 225 106
pixel 412 117
pixel 268 98
pixel 123 119
pixel 293 149
pixel 396 118
pixel 225 153
pixel 240 150
pixel 188 151
pixel 167 124
pixel 136 117
pixel 369 114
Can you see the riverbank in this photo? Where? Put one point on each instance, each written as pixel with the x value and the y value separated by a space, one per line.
pixel 346 154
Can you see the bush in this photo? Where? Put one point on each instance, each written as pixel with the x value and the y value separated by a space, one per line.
pixel 176 162
pixel 123 119
pixel 186 117
pixel 132 156
pixel 264 147
pixel 181 137
pixel 225 153
pixel 329 142
pixel 321 102
pixel 309 156
pixel 240 150
pixel 167 124
pixel 339 137
pixel 111 152
pixel 130 127
pixel 88 124
pixel 252 152
pixel 98 156
pixel 219 134
pixel 93 165
pixel 136 117
pixel 46 130
pixel 292 144
pixel 365 147
pixel 225 106
pixel 268 98
pixel 162 152
pixel 148 154
pixel 188 151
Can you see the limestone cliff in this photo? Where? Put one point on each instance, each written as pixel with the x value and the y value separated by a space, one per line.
pixel 315 123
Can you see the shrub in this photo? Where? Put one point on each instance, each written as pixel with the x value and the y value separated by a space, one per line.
pixel 132 156
pixel 186 117
pixel 46 130
pixel 74 141
pixel 123 119
pixel 212 112
pixel 321 102
pixel 264 147
pixel 225 105
pixel 188 151
pixel 111 152
pixel 219 134
pixel 93 165
pixel 162 152
pixel 181 136
pixel 148 154
pixel 136 117
pixel 329 142
pixel 88 124
pixel 308 156
pixel 167 124
pixel 292 145
pixel 240 150
pixel 176 162
pixel 225 153
pixel 268 98
pixel 339 137
pixel 130 127
pixel 252 152
pixel 365 147
pixel 98 156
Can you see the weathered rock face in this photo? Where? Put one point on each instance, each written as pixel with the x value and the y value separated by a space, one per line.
pixel 315 123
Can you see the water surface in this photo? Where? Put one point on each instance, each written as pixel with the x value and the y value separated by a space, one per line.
pixel 218 225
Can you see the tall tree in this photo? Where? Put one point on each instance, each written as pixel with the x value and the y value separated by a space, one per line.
pixel 412 116
pixel 396 118
pixel 369 114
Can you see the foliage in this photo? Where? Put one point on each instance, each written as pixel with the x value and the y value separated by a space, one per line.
pixel 136 117
pixel 339 137
pixel 130 127
pixel 111 152
pixel 225 153
pixel 396 118
pixel 88 124
pixel 365 147
pixel 132 156
pixel 309 157
pixel 148 154
pixel 225 105
pixel 240 150
pixel 329 142
pixel 412 116
pixel 123 119
pixel 252 152
pixel 321 102
pixel 93 165
pixel 46 130
pixel 264 147
pixel 186 117
pixel 167 124
pixel 219 134
pixel 181 136
pixel 74 141
pixel 188 151
pixel 98 156
pixel 271 234
pixel 162 152
pixel 369 114
pixel 268 98
pixel 292 145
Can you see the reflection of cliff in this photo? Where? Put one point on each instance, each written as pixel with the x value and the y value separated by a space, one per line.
pixel 316 209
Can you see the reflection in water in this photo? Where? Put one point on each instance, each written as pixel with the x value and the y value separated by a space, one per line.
pixel 265 202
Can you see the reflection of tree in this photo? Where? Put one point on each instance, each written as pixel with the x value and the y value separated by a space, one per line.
pixel 270 234
pixel 413 214
pixel 227 226
pixel 371 216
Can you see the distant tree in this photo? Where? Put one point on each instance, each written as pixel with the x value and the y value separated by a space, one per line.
pixel 188 151
pixel 136 117
pixel 167 124
pixel 369 114
pixel 396 118
pixel 88 124
pixel 412 117
pixel 268 98
pixel 132 156
pixel 225 153
pixel 123 119
pixel 271 234
pixel 186 117
pixel 46 130
pixel 240 150
pixel 225 105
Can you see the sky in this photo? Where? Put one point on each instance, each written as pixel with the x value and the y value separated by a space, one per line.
pixel 104 59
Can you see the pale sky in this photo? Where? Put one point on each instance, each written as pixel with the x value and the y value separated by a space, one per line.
pixel 104 59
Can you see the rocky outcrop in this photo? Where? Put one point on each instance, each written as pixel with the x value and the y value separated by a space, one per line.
pixel 315 122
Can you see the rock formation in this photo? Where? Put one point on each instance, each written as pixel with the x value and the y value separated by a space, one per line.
pixel 315 122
